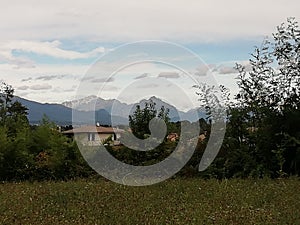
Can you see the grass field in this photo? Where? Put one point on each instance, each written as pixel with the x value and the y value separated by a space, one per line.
pixel 177 201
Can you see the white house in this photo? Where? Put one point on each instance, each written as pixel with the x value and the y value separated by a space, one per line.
pixel 95 135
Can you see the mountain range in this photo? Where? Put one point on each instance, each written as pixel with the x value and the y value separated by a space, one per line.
pixel 103 110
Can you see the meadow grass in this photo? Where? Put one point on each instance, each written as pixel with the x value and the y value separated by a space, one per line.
pixel 175 201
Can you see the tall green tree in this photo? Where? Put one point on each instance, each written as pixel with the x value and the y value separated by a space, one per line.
pixel 6 95
pixel 15 160
pixel 141 117
pixel 269 99
pixel 34 152
pixel 12 113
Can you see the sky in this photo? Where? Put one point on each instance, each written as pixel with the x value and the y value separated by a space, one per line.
pixel 51 50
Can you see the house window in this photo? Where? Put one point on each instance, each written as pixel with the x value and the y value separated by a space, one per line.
pixel 91 136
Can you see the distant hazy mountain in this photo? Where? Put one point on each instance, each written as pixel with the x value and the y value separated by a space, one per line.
pixel 119 109
pixel 55 112
pixel 62 115
pixel 92 103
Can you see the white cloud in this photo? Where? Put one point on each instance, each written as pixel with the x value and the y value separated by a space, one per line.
pixel 24 87
pixel 116 20
pixel 49 77
pixel 18 62
pixel 40 87
pixel 203 69
pixel 35 87
pixel 230 67
pixel 151 85
pixel 20 80
pixel 144 75
pixel 103 80
pixel 109 88
pixel 52 49
pixel 169 75
pixel 26 79
pixel 38 27
pixel 226 70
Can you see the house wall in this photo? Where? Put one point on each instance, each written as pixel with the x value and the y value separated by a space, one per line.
pixel 84 139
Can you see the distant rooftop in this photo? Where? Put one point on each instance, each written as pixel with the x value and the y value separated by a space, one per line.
pixel 94 129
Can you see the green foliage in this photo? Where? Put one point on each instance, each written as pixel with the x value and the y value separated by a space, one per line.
pixel 56 157
pixel 141 117
pixel 39 152
pixel 139 124
pixel 6 94
pixel 142 158
pixel 262 134
pixel 262 137
pixel 263 126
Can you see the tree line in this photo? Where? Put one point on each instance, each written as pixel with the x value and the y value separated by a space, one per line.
pixel 30 152
pixel 262 125
pixel 263 129
pixel 263 121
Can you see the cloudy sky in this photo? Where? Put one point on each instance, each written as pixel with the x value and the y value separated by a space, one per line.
pixel 47 48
